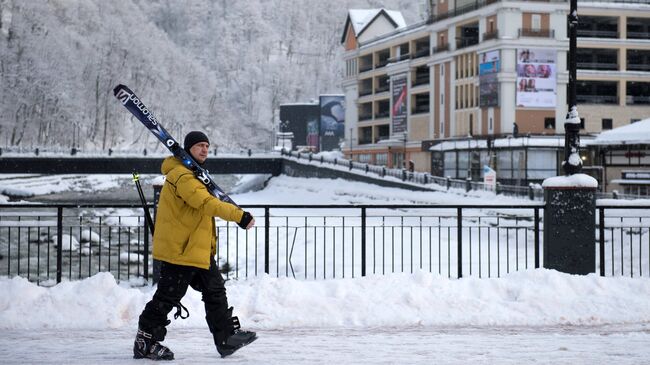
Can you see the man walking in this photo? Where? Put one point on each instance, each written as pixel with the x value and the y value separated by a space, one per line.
pixel 185 243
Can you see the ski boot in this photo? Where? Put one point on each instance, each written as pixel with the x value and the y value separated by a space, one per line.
pixel 148 347
pixel 235 340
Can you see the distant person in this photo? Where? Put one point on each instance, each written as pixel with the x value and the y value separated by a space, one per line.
pixel 185 243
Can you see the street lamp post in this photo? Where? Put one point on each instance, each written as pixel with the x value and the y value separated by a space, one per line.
pixel 572 163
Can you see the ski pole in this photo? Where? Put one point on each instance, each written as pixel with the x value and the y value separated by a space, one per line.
pixel 147 216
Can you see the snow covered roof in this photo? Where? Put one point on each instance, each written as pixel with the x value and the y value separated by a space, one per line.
pixel 524 141
pixel 635 133
pixel 360 19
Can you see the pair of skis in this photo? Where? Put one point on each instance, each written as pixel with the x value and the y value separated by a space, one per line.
pixel 146 117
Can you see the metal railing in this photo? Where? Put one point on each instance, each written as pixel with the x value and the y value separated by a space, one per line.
pixel 531 191
pixel 533 32
pixel 623 235
pixel 50 243
pixel 339 241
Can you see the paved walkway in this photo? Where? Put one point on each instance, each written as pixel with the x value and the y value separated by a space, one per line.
pixel 626 344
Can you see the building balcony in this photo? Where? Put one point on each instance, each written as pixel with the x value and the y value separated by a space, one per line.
pixel 597 99
pixel 423 52
pixel 591 33
pixel 382 114
pixel 638 67
pixel 638 35
pixel 382 63
pixel 381 89
pixel 420 109
pixel 363 117
pixel 597 66
pixel 399 58
pixel 537 33
pixel 466 42
pixel 637 100
pixel 421 80
pixel 441 48
pixel 490 35
pixel 364 68
pixel 365 92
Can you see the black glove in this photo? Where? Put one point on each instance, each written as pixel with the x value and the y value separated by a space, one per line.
pixel 246 218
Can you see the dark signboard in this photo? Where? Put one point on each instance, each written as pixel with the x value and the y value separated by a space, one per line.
pixel 303 121
pixel 332 121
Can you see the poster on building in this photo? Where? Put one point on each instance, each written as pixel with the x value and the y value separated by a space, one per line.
pixel 332 121
pixel 398 113
pixel 536 81
pixel 489 66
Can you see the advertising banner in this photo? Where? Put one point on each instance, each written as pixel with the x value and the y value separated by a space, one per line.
pixel 399 112
pixel 332 121
pixel 536 81
pixel 489 66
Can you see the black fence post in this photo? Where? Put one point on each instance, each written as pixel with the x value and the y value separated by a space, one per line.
pixel 310 156
pixel 460 241
pixel 363 241
pixel 367 168
pixel 383 171
pixel 531 193
pixel 536 238
pixel 468 184
pixel 448 180
pixel 350 165
pixel 601 233
pixel 59 243
pixel 267 230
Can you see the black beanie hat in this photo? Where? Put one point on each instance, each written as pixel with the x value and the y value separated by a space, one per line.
pixel 193 138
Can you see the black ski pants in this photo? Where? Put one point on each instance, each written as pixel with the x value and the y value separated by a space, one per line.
pixel 172 286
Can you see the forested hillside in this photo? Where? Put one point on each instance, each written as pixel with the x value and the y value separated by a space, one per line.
pixel 222 65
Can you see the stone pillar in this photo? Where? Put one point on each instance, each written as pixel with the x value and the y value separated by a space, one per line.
pixel 570 224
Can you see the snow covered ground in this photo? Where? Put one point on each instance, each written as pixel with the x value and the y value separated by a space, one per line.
pixel 537 316
pixel 529 316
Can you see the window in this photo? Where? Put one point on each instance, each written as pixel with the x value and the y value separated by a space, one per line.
pixel 634 120
pixel 471 124
pixel 607 123
pixel 536 22
pixel 549 123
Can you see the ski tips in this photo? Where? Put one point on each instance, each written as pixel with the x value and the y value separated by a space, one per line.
pixel 119 87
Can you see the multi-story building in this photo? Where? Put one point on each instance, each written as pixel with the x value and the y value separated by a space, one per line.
pixel 490 71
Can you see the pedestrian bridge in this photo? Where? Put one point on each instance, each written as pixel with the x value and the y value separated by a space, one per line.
pixel 126 165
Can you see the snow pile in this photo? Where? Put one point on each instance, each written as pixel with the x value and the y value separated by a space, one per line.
pixel 528 298
pixel 571 181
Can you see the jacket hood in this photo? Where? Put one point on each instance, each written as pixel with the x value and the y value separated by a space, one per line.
pixel 169 164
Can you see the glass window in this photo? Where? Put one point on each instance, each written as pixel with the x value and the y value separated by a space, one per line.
pixel 463 163
pixel 381 159
pixel 607 123
pixel 541 164
pixel 450 164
